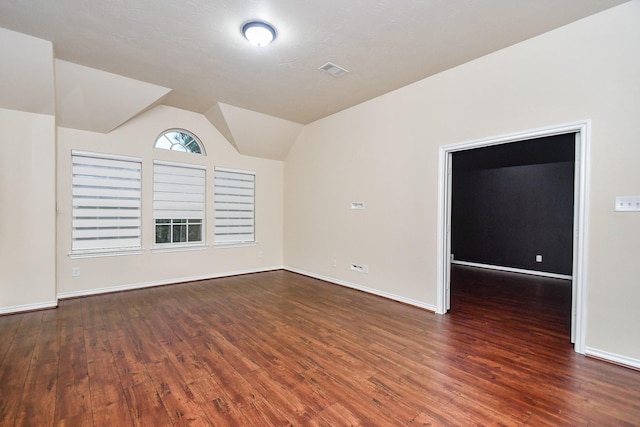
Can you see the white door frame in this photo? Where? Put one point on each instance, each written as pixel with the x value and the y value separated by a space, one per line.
pixel 582 129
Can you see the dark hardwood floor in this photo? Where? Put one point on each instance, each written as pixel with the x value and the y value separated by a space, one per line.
pixel 280 349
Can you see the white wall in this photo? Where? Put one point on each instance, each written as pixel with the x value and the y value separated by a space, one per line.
pixel 26 71
pixel 136 138
pixel 27 211
pixel 27 173
pixel 385 153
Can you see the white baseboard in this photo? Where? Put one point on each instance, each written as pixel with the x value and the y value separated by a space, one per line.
pixel 387 295
pixel 612 357
pixel 134 286
pixel 512 270
pixel 28 307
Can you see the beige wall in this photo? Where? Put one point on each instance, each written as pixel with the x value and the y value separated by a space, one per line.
pixel 27 173
pixel 26 71
pixel 27 211
pixel 385 153
pixel 136 138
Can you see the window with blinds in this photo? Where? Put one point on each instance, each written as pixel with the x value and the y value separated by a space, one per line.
pixel 234 198
pixel 106 197
pixel 178 203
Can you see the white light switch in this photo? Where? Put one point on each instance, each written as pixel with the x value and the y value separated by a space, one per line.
pixel 628 203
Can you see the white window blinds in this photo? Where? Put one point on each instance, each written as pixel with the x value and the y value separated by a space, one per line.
pixel 234 198
pixel 178 191
pixel 106 203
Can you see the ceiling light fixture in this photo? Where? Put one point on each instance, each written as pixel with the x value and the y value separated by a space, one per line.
pixel 259 33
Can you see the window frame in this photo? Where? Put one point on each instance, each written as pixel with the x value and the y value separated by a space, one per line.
pixel 166 195
pixel 110 189
pixel 223 198
pixel 186 132
pixel 174 224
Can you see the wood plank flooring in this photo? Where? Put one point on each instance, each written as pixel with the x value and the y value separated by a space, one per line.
pixel 280 349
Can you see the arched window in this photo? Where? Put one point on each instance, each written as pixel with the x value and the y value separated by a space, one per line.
pixel 179 140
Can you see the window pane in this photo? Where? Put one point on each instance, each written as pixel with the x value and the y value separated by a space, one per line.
pixel 163 233
pixel 193 147
pixel 163 143
pixel 195 232
pixel 179 233
pixel 178 140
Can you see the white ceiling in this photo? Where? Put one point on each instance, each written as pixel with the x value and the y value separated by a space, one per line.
pixel 194 48
pixel 85 97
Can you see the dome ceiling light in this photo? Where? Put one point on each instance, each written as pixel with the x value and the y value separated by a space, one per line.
pixel 259 33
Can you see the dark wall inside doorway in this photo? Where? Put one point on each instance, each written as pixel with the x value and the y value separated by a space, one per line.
pixel 511 202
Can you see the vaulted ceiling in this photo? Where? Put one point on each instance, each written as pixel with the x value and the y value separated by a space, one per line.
pixel 191 54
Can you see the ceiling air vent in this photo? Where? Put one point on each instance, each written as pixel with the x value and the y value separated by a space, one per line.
pixel 333 69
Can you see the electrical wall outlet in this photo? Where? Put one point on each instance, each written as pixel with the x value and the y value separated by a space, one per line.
pixel 359 268
pixel 75 272
pixel 333 263
pixel 538 258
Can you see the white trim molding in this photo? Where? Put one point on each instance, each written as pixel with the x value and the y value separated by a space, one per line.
pixel 580 231
pixel 365 289
pixel 174 281
pixel 29 307
pixel 513 270
pixel 613 358
pixel 102 253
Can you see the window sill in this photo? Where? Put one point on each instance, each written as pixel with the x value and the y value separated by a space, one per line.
pixel 234 245
pixel 181 248
pixel 106 253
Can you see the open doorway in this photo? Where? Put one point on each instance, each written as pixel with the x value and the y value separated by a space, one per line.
pixel 517 309
pixel 512 211
pixel 580 131
pixel 512 206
